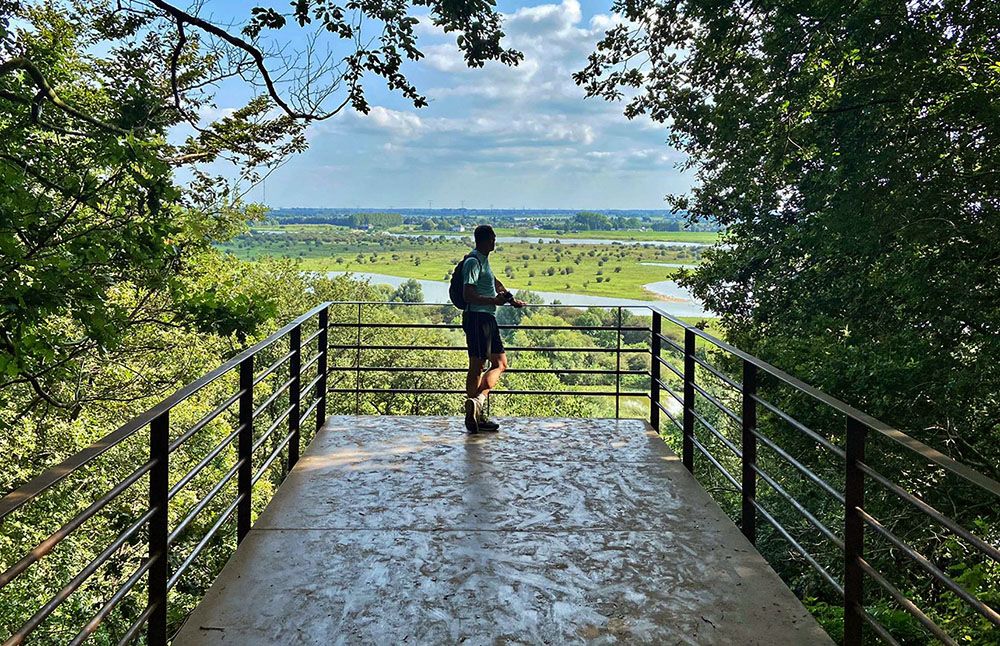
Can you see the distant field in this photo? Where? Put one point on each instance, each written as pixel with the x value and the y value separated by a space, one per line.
pixel 702 237
pixel 599 270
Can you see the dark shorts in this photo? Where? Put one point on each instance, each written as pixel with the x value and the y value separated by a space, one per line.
pixel 482 336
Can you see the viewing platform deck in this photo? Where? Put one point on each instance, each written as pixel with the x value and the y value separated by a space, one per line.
pixel 407 530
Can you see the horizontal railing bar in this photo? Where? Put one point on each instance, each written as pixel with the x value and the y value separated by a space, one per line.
pixel 312 407
pixel 804 470
pixel 415 326
pixel 134 629
pixel 203 542
pixel 272 398
pixel 669 366
pixel 456 391
pixel 458 326
pixel 46 546
pixel 940 518
pixel 799 426
pixel 197 509
pixel 921 560
pixel 541 371
pixel 718 434
pixel 877 627
pixel 526 305
pixel 906 603
pixel 718 374
pixel 914 445
pixel 462 348
pixel 270 459
pixel 582 328
pixel 84 574
pixel 190 475
pixel 715 402
pixel 798 548
pixel 312 384
pixel 309 338
pixel 673 419
pixel 270 429
pixel 671 392
pixel 670 342
pixel 274 366
pixel 711 458
pixel 312 362
pixel 111 603
pixel 43 481
pixel 815 522
pixel 200 424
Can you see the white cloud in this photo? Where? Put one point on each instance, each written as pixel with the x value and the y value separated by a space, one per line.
pixel 510 131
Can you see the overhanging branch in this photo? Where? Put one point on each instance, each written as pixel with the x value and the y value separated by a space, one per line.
pixel 46 92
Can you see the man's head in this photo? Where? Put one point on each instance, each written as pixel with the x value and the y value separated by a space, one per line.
pixel 486 238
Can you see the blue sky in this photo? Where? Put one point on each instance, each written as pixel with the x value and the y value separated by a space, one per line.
pixel 506 137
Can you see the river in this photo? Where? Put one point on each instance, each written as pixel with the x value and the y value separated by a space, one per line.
pixel 548 240
pixel 679 303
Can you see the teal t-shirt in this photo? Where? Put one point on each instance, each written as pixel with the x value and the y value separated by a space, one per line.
pixel 477 272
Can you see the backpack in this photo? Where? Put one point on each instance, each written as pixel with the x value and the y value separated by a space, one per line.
pixel 457 287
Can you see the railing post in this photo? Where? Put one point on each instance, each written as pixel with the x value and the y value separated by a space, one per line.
pixel 618 368
pixel 749 450
pixel 245 450
pixel 854 533
pixel 357 366
pixel 322 345
pixel 294 390
pixel 654 370
pixel 159 476
pixel 689 375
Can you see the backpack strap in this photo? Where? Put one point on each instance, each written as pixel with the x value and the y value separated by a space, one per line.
pixel 467 256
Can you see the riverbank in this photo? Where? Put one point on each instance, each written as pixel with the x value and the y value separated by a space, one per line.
pixel 666 295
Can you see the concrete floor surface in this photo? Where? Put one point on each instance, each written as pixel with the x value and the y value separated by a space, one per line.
pixel 405 530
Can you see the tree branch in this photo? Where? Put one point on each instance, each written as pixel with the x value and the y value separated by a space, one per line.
pixel 255 53
pixel 46 92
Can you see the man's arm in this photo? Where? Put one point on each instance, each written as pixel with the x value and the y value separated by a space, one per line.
pixel 472 296
pixel 499 286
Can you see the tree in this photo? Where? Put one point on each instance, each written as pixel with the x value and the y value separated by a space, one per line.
pixel 95 230
pixel 588 220
pixel 848 150
pixel 409 292
pixel 854 168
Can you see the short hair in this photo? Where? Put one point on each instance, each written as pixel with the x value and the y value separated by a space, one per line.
pixel 483 233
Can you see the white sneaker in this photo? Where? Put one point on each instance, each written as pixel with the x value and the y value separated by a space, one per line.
pixel 471 413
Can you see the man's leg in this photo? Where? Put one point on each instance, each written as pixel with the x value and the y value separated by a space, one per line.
pixel 498 363
pixel 474 377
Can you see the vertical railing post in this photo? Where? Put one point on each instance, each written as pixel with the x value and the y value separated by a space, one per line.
pixel 749 451
pixel 854 533
pixel 688 446
pixel 322 345
pixel 159 477
pixel 357 366
pixel 618 368
pixel 294 394
pixel 654 371
pixel 244 474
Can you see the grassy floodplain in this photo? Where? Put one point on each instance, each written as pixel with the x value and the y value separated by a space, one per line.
pixel 600 270
pixel 701 237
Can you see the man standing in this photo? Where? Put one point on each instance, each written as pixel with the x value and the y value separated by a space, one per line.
pixel 483 293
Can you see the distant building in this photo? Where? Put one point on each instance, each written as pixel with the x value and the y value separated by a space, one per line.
pixel 459 228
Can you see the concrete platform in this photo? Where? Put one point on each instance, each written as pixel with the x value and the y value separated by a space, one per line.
pixel 405 530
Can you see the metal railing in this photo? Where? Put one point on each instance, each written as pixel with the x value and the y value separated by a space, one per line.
pixel 858 475
pixel 341 327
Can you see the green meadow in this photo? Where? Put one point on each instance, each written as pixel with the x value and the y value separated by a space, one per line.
pixel 600 270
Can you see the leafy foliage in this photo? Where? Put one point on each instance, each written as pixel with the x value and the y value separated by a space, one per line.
pixel 850 151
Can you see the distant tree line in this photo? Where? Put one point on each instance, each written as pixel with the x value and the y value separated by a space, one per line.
pixel 353 220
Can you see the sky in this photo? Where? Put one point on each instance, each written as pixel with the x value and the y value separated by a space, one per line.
pixel 491 137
